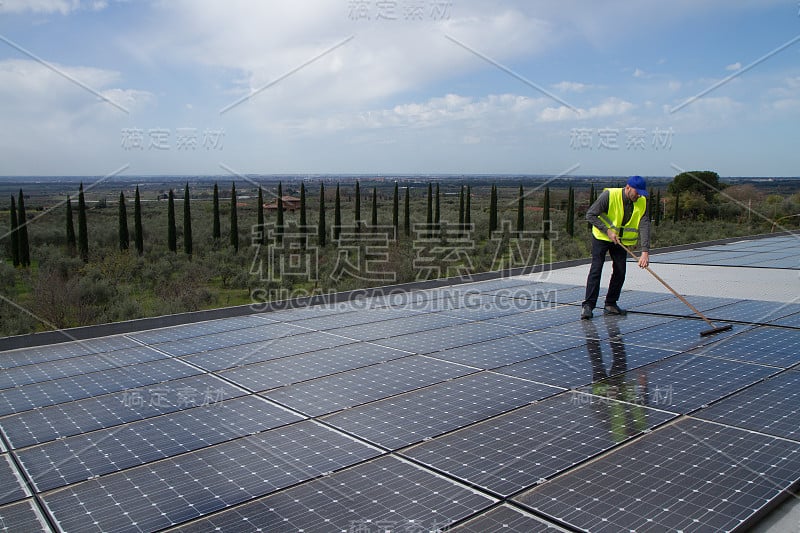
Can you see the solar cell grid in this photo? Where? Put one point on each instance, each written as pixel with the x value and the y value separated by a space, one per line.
pixel 449 337
pixel 303 367
pixel 54 352
pixel 673 306
pixel 755 311
pixel 197 329
pixel 94 384
pixel 12 486
pixel 684 383
pixel 537 320
pixel 386 494
pixel 400 326
pixel 408 418
pixel 77 458
pixel 517 450
pixel 678 335
pixel 689 476
pixel 22 516
pixel 204 481
pixel 507 519
pixel 258 352
pixel 348 389
pixel 360 316
pixel 227 339
pixel 765 345
pixel 507 350
pixel 72 418
pixel 792 321
pixel 772 407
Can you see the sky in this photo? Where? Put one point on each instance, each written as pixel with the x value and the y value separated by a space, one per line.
pixel 381 87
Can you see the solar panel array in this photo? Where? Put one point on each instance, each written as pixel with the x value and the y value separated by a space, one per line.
pixel 481 407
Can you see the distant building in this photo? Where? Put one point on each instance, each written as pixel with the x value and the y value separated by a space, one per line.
pixel 290 203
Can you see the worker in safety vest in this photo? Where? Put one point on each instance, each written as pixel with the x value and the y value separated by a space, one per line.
pixel 617 216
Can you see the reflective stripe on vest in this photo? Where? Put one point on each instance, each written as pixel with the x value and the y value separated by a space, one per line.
pixel 629 233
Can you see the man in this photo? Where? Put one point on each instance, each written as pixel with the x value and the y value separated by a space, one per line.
pixel 618 216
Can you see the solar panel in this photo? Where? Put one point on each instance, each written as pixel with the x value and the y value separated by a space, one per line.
pixel 81 457
pixel 386 494
pixel 361 316
pixel 690 475
pixel 679 335
pixel 755 311
pixel 73 418
pixel 22 516
pixel 539 319
pixel 198 329
pixel 765 345
pixel 507 350
pixel 673 306
pixel 771 406
pixel 348 389
pixel 53 352
pixel 96 383
pixel 303 367
pixel 24 375
pixel 175 490
pixel 517 450
pixel 400 326
pixel 227 339
pixel 792 321
pixel 582 365
pixel 449 337
pixel 409 418
pixel 506 518
pixel 683 383
pixel 258 352
pixel 12 485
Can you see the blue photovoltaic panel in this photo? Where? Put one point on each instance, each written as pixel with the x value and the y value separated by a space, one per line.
pixel 258 352
pixel 506 519
pixel 73 418
pixel 168 492
pixel 348 389
pixel 539 319
pixel 689 476
pixel 227 339
pixel 303 367
pixel 314 311
pixel 199 329
pixel 771 406
pixel 53 352
pixel 409 418
pixel 679 335
pixel 400 326
pixel 449 337
pixel 792 321
pixel 22 516
pixel 755 311
pixel 81 457
pixel 12 486
pixel 673 306
pixel 486 307
pixel 386 494
pixel 684 383
pixel 352 318
pixel 766 345
pixel 517 450
pixel 633 299
pixel 46 371
pixel 94 384
pixel 593 361
pixel 508 350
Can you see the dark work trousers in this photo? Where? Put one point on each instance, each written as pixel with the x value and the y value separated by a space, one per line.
pixel 618 258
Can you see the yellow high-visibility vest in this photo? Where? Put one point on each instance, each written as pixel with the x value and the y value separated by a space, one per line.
pixel 629 233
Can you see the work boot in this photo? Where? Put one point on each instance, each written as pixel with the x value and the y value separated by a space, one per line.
pixel 586 312
pixel 614 309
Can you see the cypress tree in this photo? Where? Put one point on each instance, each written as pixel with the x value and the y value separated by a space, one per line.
pixel 172 233
pixel 303 218
pixel 235 220
pixel 592 198
pixel 571 212
pixel 468 207
pixel 71 242
pixel 520 211
pixel 396 210
pixel 546 214
pixel 429 214
pixel 124 236
pixel 188 245
pixel 279 221
pixel 358 207
pixel 676 216
pixel 407 213
pixel 260 216
pixel 658 208
pixel 374 220
pixel 493 211
pixel 14 233
pixel 216 233
pixel 22 224
pixel 321 229
pixel 83 236
pixel 137 223
pixel 461 207
pixel 337 215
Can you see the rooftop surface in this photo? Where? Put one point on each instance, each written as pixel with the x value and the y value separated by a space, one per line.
pixel 477 406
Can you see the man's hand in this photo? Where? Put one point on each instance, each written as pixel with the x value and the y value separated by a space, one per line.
pixel 644 259
pixel 612 235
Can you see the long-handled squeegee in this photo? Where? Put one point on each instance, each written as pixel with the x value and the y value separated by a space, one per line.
pixel 714 329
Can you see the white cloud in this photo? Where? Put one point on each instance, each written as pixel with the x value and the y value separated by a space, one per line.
pixel 50 6
pixel 734 66
pixel 639 73
pixel 572 86
pixel 610 107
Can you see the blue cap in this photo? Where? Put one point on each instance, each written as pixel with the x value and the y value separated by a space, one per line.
pixel 637 182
